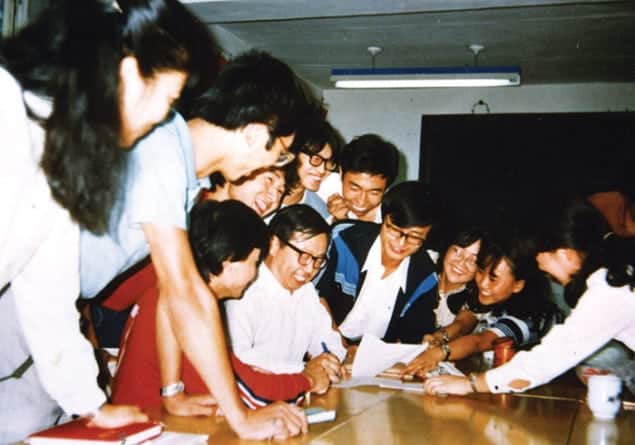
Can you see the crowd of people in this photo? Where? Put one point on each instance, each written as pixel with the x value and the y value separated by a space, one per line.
pixel 217 228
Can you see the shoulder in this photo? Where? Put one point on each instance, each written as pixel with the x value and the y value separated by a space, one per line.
pixel 162 139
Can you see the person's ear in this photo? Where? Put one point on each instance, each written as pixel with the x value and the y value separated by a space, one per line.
pixel 256 135
pixel 131 81
pixel 518 286
pixel 274 245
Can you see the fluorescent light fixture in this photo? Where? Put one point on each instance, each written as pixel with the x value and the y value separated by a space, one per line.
pixel 470 76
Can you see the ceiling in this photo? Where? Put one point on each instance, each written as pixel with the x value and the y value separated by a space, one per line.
pixel 553 41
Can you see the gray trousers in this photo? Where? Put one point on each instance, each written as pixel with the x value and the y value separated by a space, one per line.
pixel 25 407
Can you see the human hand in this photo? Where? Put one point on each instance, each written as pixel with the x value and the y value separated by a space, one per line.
pixel 447 384
pixel 331 365
pixel 278 420
pixel 423 363
pixel 114 416
pixel 433 339
pixel 318 377
pixel 183 404
pixel 337 207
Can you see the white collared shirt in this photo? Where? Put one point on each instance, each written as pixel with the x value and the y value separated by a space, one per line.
pixel 375 303
pixel 273 329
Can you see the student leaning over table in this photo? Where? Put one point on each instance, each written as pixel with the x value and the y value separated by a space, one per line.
pixel 79 85
pixel 573 241
pixel 280 318
pixel 228 242
pixel 512 301
pixel 243 123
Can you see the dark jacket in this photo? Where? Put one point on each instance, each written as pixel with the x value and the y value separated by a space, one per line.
pixel 413 315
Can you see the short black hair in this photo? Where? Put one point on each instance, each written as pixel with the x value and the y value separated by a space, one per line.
pixel 298 218
pixel 225 231
pixel 371 154
pixel 411 203
pixel 255 87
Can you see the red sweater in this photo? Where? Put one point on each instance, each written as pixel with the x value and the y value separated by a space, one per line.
pixel 138 378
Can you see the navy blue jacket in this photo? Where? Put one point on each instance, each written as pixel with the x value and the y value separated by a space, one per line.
pixel 413 315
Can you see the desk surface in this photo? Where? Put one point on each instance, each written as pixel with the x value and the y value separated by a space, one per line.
pixel 379 416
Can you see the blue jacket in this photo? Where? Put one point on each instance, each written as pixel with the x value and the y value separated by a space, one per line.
pixel 413 315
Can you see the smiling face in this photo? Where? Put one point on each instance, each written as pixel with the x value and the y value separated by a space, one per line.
pixel 261 191
pixel 311 176
pixel 143 102
pixel 497 283
pixel 284 260
pixel 363 192
pixel 562 264
pixel 459 264
pixel 398 243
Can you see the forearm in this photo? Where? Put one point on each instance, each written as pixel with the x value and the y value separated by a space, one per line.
pixel 467 345
pixel 197 324
pixel 194 316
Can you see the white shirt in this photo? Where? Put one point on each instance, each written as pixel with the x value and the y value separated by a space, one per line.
pixel 39 256
pixel 602 313
pixel 375 303
pixel 273 329
pixel 332 185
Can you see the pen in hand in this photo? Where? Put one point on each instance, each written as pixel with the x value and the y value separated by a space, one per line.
pixel 325 349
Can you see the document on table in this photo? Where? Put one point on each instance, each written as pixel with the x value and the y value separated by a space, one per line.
pixel 374 355
pixel 373 361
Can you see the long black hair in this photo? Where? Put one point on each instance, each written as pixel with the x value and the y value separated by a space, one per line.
pixel 71 54
pixel 577 225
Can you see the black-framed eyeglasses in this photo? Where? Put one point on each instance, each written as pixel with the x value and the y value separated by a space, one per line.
pixel 397 233
pixel 305 258
pixel 316 160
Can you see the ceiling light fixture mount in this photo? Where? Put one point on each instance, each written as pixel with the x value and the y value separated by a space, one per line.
pixel 432 77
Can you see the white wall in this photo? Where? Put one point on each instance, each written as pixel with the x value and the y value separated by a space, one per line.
pixel 396 114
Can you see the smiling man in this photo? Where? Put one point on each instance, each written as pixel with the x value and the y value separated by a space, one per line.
pixel 244 122
pixel 369 165
pixel 379 276
pixel 280 319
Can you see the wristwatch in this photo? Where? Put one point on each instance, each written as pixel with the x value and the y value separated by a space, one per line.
pixel 172 389
pixel 446 350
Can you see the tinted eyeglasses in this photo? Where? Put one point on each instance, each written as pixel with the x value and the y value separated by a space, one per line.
pixel 305 258
pixel 397 233
pixel 316 160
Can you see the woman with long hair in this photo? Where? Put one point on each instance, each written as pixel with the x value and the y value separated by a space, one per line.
pixel 79 85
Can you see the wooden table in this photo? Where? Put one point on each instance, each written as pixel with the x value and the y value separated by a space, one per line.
pixel 380 416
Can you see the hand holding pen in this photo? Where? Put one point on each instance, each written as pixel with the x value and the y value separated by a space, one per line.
pixel 331 364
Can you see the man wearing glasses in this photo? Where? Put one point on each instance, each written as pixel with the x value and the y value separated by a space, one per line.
pixel 379 278
pixel 244 122
pixel 280 318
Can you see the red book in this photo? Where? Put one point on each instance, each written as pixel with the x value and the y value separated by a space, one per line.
pixel 78 432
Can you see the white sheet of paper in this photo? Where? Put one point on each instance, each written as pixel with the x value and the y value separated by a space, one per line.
pixel 374 355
